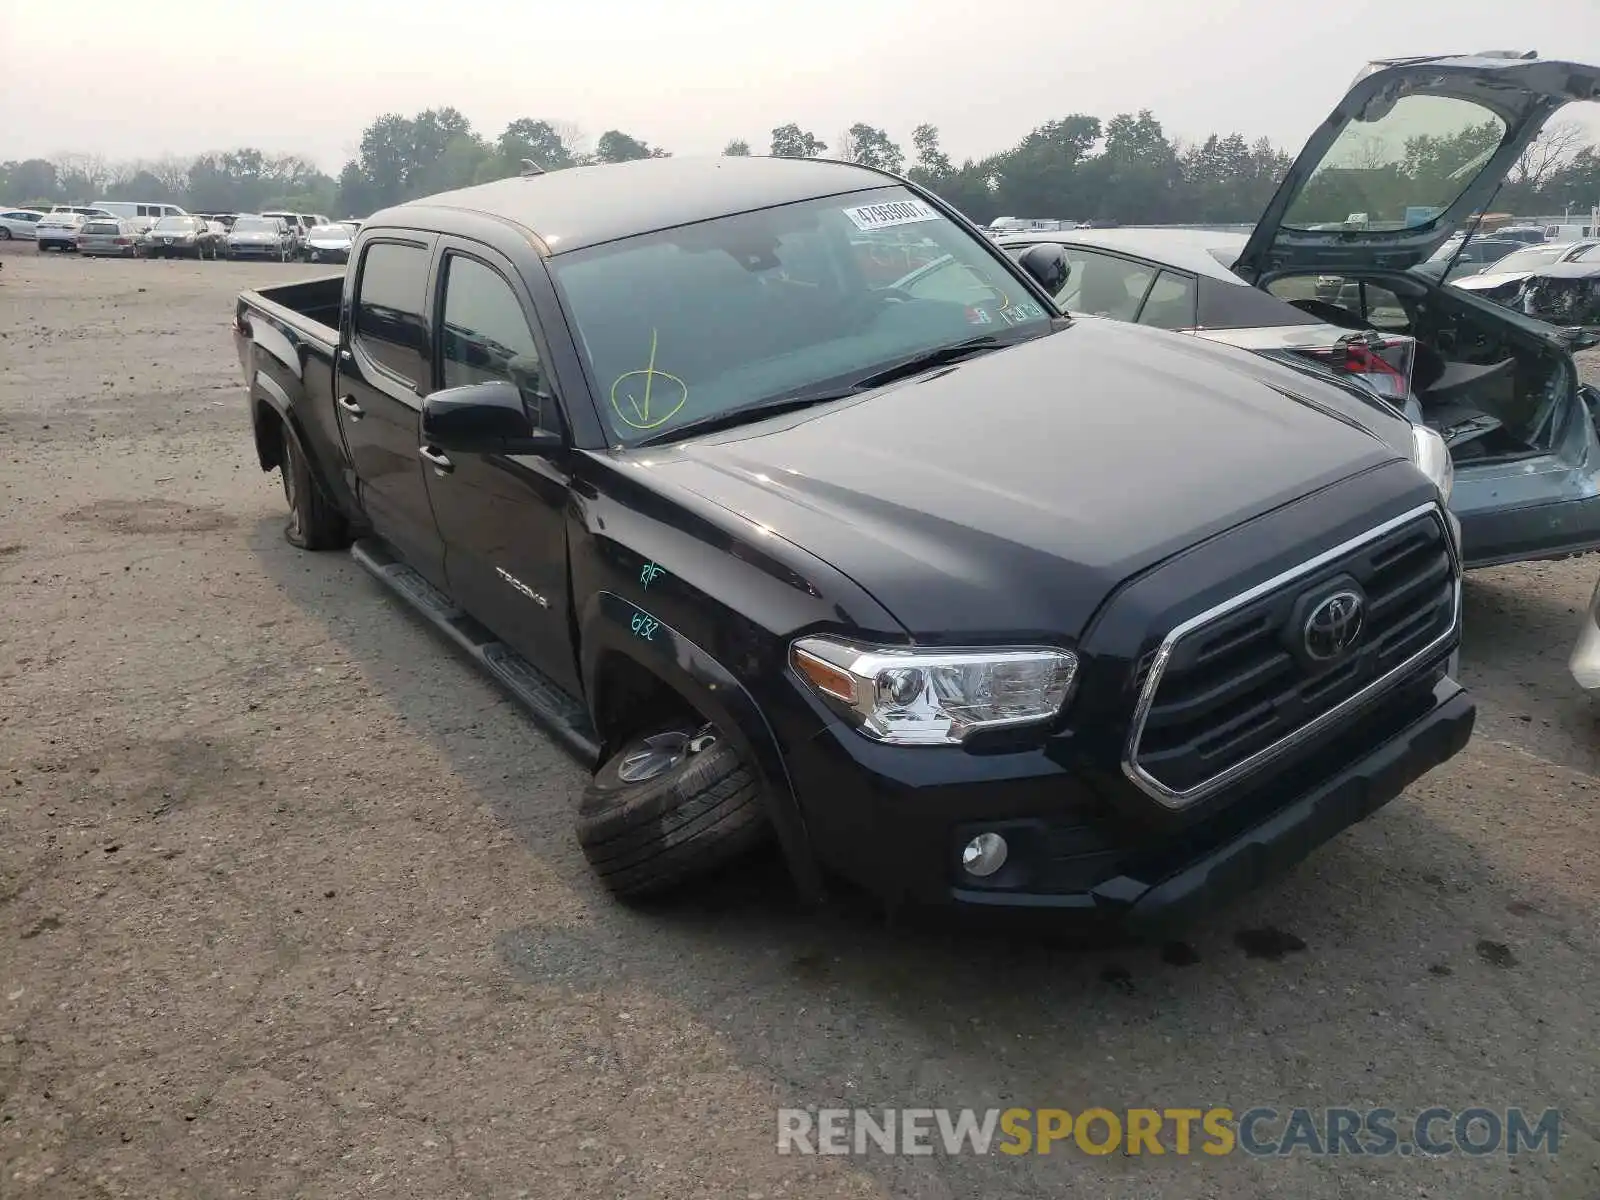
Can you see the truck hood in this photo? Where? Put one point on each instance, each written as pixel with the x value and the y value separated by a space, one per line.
pixel 1361 161
pixel 1007 496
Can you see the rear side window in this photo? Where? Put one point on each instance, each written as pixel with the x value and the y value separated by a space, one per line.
pixel 388 308
pixel 1171 303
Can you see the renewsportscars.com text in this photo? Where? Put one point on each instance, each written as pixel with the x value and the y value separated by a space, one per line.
pixel 1258 1131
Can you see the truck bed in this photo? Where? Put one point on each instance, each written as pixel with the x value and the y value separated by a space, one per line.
pixel 312 300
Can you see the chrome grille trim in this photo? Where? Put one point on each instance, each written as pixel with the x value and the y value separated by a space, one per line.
pixel 1174 799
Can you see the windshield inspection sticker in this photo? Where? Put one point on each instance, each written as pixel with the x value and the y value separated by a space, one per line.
pixel 894 212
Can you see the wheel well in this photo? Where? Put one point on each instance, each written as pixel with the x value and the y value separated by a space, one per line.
pixel 632 697
pixel 269 435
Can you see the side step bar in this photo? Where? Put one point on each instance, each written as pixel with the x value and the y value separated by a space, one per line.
pixel 559 713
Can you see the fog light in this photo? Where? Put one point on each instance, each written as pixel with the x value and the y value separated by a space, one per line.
pixel 984 855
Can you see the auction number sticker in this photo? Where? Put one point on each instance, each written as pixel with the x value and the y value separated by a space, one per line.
pixel 893 212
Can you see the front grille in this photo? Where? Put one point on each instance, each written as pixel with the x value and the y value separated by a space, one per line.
pixel 1233 687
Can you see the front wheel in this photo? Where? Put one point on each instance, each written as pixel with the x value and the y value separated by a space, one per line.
pixel 674 803
pixel 314 523
pixel 5 234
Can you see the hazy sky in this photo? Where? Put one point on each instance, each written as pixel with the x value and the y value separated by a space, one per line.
pixel 149 78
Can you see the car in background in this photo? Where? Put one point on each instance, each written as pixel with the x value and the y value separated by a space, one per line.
pixel 19 224
pixel 260 237
pixel 109 237
pixel 130 210
pixel 182 237
pixel 1528 235
pixel 1476 256
pixel 299 225
pixel 58 230
pixel 330 241
pixel 85 210
pixel 225 219
pixel 1502 281
pixel 1566 293
pixel 1498 386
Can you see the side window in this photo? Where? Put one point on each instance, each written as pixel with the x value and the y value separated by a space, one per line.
pixel 485 336
pixel 1104 285
pixel 1171 303
pixel 388 308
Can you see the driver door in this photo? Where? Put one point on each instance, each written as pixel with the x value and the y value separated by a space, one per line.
pixel 501 517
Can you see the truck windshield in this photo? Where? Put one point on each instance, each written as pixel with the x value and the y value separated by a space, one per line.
pixel 692 322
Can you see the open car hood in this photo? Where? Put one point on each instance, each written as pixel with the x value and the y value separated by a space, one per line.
pixel 1406 159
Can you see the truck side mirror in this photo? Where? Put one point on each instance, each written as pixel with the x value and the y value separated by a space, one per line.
pixel 1047 263
pixel 483 418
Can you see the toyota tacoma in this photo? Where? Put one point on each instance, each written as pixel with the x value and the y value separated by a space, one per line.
pixel 960 599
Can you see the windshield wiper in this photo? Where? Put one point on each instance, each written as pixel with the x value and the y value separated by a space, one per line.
pixel 914 365
pixel 743 415
pixel 927 360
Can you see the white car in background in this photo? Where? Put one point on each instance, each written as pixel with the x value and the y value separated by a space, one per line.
pixel 19 224
pixel 59 230
pixel 330 241
pixel 1502 281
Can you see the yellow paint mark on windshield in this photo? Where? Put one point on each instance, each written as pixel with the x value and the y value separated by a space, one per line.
pixel 644 406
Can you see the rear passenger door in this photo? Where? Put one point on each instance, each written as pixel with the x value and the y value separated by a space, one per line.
pixel 385 367
pixel 502 518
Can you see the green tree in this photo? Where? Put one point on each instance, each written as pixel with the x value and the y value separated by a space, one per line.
pixel 872 147
pixel 737 148
pixel 539 140
pixel 615 146
pixel 30 179
pixel 1137 172
pixel 932 164
pixel 1042 175
pixel 790 141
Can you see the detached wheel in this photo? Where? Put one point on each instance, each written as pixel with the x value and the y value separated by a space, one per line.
pixel 314 523
pixel 674 803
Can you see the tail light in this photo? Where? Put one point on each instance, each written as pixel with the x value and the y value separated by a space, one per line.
pixel 122 241
pixel 1382 362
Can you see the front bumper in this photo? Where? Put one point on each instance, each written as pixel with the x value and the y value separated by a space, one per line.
pixel 895 823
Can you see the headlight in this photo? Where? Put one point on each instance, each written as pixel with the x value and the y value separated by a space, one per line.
pixel 936 698
pixel 1432 457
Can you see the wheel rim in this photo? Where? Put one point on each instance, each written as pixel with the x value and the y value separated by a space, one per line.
pixel 291 489
pixel 652 756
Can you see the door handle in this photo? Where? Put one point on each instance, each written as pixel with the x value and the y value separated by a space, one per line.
pixel 348 403
pixel 441 464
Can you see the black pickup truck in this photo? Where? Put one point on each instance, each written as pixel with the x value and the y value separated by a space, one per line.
pixel 795 507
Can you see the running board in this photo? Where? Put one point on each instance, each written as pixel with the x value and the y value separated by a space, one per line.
pixel 555 710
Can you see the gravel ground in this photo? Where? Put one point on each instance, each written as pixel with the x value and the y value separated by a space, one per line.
pixel 290 903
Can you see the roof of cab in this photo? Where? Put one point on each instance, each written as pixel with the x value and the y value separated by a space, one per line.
pixel 584 206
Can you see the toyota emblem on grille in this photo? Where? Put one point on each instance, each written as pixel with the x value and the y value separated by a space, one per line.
pixel 1334 626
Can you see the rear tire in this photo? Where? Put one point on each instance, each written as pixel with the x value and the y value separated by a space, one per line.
pixel 314 523
pixel 679 813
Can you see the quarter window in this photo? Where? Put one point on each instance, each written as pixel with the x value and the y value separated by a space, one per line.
pixel 388 308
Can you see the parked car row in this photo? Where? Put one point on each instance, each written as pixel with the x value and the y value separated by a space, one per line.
pixel 95 231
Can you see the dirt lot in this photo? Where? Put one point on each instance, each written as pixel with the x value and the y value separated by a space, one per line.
pixel 290 904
